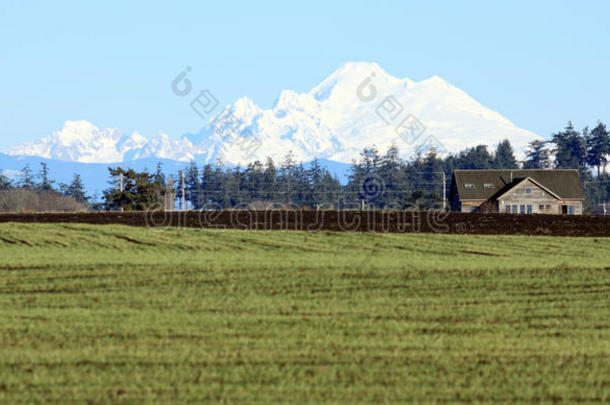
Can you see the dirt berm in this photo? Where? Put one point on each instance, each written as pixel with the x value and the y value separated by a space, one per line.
pixel 363 221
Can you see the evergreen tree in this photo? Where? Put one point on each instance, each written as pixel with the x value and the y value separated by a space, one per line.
pixel 192 185
pixel 450 163
pixel 390 170
pixel 254 181
pixel 302 186
pixel 270 181
pixel 207 184
pixel 433 177
pixel 331 187
pixel 286 180
pixel 46 184
pixel 159 176
pixel 238 194
pixel 26 179
pixel 537 156
pixel 504 158
pixel 178 188
pixel 139 191
pixel 570 149
pixel 356 176
pixel 363 174
pixel 316 180
pixel 5 182
pixel 221 186
pixel 75 189
pixel 598 148
pixel 370 159
pixel 476 158
pixel 480 158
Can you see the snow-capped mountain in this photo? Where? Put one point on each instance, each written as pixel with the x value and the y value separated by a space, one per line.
pixel 357 106
pixel 81 141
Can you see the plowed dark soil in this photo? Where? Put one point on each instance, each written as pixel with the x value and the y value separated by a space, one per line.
pixel 363 221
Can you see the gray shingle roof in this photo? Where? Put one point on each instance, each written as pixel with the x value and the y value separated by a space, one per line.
pixel 563 182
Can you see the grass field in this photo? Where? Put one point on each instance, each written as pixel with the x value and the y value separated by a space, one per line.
pixel 114 313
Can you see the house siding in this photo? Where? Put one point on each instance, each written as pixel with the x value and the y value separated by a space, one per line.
pixel 540 201
pixel 577 206
pixel 536 201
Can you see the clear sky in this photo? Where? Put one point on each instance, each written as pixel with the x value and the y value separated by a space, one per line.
pixel 538 63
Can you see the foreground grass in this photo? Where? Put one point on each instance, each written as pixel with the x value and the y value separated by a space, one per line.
pixel 112 313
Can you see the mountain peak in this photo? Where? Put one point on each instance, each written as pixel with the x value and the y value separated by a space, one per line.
pixel 349 68
pixel 244 106
pixel 345 81
pixel 332 121
pixel 74 131
pixel 80 125
pixel 435 79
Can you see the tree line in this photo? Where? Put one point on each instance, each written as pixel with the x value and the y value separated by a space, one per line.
pixel 375 179
pixel 42 181
pixel 216 186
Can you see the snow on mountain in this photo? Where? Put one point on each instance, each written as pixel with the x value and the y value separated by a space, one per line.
pixel 356 106
pixel 164 147
pixel 81 141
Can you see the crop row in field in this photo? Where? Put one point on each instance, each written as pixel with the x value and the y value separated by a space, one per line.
pixel 107 313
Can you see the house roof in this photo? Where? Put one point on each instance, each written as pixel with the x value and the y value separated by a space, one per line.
pixel 565 183
pixel 519 181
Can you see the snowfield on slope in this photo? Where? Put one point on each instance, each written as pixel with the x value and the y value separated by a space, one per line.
pixel 356 106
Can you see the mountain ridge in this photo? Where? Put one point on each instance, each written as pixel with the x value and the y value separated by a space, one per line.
pixel 335 120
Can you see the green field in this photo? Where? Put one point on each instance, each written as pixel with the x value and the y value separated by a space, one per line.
pixel 114 313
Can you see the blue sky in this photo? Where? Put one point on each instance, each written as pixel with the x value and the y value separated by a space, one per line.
pixel 537 63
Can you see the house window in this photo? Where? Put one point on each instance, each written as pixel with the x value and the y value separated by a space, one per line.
pixel 570 210
pixel 528 191
pixel 522 209
pixel 469 186
pixel 488 186
pixel 541 207
pixel 548 207
pixel 508 209
pixel 529 209
pixel 515 208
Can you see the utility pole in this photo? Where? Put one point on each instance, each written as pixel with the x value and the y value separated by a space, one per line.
pixel 121 188
pixel 183 196
pixel 170 194
pixel 444 191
